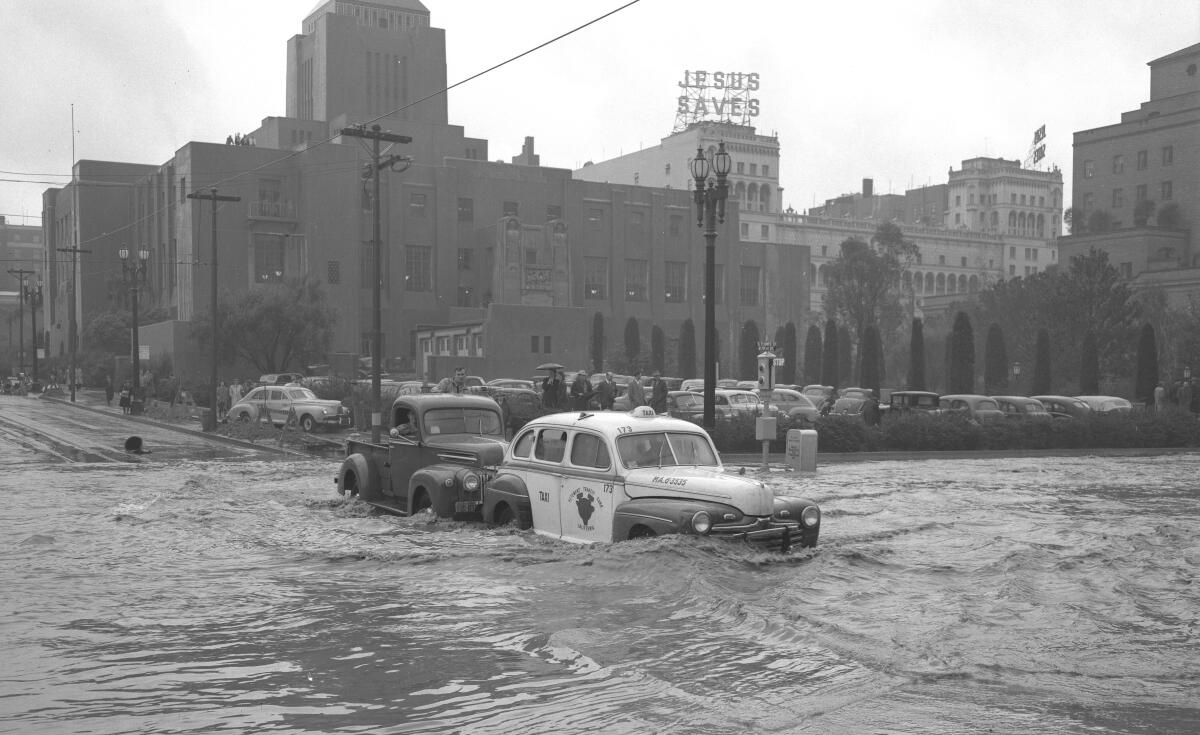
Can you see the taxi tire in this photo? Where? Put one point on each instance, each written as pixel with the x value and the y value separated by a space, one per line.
pixel 421 504
pixel 640 531
pixel 243 417
pixel 503 516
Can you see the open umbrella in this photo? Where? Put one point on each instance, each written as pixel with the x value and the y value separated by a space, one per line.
pixel 549 366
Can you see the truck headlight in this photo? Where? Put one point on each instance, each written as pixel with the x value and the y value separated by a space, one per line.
pixel 471 481
pixel 811 516
pixel 701 522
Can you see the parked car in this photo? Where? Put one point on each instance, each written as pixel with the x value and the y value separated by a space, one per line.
pixel 912 401
pixel 1065 407
pixel 692 384
pixel 854 392
pixel 743 402
pixel 511 383
pixel 687 405
pixel 1020 407
pixel 1102 405
pixel 794 405
pixel 746 385
pixel 277 403
pixel 279 378
pixel 610 476
pixel 978 408
pixel 849 407
pixel 817 393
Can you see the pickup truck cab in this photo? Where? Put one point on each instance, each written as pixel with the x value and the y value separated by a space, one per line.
pixel 609 476
pixel 438 456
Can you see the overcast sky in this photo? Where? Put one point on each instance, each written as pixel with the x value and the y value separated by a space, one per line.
pixel 894 91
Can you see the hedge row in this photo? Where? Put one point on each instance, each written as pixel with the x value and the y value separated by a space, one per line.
pixel 915 432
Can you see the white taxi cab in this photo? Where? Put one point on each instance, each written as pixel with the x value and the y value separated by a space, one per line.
pixel 609 476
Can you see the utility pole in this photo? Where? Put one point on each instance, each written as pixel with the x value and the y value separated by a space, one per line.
pixel 74 297
pixel 19 274
pixel 34 297
pixel 376 135
pixel 210 418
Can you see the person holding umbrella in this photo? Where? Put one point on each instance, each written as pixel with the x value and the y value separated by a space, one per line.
pixel 554 389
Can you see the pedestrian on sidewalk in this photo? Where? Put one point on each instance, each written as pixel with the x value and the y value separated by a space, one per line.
pixel 125 397
pixel 222 400
pixel 108 389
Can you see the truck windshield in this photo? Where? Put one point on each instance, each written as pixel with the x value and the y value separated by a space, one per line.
pixel 475 421
pixel 664 449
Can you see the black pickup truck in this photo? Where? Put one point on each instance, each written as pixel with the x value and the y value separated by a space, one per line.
pixel 438 456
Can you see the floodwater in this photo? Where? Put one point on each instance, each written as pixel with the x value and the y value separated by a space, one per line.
pixel 1053 595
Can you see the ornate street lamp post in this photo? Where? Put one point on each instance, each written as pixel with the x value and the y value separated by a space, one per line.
pixel 710 211
pixel 133 274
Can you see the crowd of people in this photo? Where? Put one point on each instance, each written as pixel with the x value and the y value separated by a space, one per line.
pixel 581 392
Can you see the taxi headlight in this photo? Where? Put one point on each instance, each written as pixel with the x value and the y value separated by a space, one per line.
pixel 701 522
pixel 811 516
pixel 471 481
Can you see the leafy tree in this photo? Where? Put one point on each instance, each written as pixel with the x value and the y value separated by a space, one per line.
pixel 597 342
pixel 687 349
pixel 748 351
pixel 812 355
pixel 916 365
pixel 962 355
pixel 1041 365
pixel 107 331
pixel 658 349
pixel 787 350
pixel 995 362
pixel 272 326
pixel 1143 211
pixel 1099 221
pixel 829 362
pixel 1169 216
pixel 1076 221
pixel 633 343
pixel 1089 365
pixel 871 354
pixel 1146 377
pixel 864 282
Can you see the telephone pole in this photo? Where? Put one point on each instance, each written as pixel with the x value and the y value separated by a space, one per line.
pixel 377 135
pixel 19 274
pixel 210 418
pixel 73 291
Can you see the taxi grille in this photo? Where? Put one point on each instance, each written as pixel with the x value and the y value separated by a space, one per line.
pixel 765 532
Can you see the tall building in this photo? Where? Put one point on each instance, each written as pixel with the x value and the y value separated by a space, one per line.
pixel 1136 192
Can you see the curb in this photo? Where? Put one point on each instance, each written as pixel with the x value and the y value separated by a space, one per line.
pixel 181 429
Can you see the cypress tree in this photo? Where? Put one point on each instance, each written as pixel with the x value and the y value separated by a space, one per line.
pixel 995 362
pixel 1041 365
pixel 871 353
pixel 633 344
pixel 845 356
pixel 962 355
pixel 788 352
pixel 687 349
pixel 748 351
pixel 1146 377
pixel 829 360
pixel 597 341
pixel 812 355
pixel 916 356
pixel 658 349
pixel 1089 365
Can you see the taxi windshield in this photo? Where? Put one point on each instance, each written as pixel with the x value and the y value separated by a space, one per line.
pixel 478 421
pixel 665 449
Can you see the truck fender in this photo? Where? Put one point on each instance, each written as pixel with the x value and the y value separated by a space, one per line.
pixel 509 490
pixel 359 476
pixel 659 516
pixel 431 480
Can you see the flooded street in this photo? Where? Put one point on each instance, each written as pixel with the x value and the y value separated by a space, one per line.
pixel 1048 595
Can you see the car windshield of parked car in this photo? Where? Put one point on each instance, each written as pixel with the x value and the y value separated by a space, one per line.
pixel 300 394
pixel 665 449
pixel 743 399
pixel 689 401
pixel 987 405
pixel 478 421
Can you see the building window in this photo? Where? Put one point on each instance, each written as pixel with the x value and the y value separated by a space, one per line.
pixel 269 262
pixel 637 276
pixel 1167 192
pixel 636 218
pixel 741 167
pixel 1142 160
pixel 1118 164
pixel 466 209
pixel 595 278
pixel 1012 270
pixel 511 209
pixel 766 232
pixel 675 282
pixel 553 212
pixel 745 231
pixel 958 200
pixel 416 205
pixel 1168 155
pixel 941 260
pixel 754 169
pixel 1140 195
pixel 964 261
pixel 749 285
pixel 595 218
pixel 1014 199
pixel 1118 197
pixel 675 225
pixel 766 170
pixel 418 268
pixel 333 272
pixel 464 259
pixel 1089 169
pixel 1035 254
pixel 1022 200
